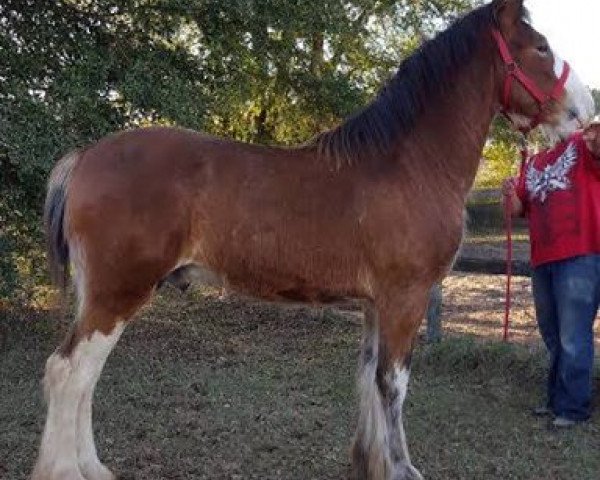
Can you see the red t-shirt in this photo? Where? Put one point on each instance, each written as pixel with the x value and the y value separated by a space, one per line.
pixel 560 191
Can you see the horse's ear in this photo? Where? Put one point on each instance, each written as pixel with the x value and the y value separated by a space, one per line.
pixel 507 13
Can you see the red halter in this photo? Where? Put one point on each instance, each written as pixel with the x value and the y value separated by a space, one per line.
pixel 514 72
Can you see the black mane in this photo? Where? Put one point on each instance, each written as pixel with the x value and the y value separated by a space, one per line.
pixel 422 77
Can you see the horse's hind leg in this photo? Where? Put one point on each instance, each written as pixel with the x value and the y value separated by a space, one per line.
pixel 67 450
pixel 98 349
pixel 380 451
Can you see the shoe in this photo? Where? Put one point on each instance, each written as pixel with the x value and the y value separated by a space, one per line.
pixel 563 422
pixel 542 411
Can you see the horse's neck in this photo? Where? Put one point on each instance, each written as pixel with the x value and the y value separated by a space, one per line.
pixel 453 135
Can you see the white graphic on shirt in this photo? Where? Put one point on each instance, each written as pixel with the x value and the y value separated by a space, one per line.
pixel 553 177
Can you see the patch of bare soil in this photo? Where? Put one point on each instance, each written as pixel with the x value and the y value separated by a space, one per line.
pixel 475 302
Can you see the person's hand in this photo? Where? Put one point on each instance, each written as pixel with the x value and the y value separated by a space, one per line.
pixel 509 187
pixel 510 199
pixel 591 136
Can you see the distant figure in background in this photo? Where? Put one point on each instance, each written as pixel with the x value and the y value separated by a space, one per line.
pixel 558 191
pixel 434 314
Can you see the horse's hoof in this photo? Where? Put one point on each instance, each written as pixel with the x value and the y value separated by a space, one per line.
pixel 406 471
pixel 97 471
pixel 57 474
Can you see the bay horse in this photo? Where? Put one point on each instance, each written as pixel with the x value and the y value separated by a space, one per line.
pixel 371 210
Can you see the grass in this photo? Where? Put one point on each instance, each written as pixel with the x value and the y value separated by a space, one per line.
pixel 471 400
pixel 203 388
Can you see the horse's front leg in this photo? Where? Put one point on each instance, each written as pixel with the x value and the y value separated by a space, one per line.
pixel 380 450
pixel 396 383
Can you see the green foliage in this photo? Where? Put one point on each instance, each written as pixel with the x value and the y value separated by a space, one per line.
pixel 500 156
pixel 500 160
pixel 63 67
pixel 268 71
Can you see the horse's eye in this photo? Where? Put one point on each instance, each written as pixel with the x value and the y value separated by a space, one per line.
pixel 543 50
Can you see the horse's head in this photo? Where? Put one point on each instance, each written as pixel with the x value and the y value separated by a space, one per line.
pixel 536 86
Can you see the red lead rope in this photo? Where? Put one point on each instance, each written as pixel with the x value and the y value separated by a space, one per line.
pixel 509 253
pixel 509 249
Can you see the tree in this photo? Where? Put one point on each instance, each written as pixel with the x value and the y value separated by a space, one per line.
pixel 63 68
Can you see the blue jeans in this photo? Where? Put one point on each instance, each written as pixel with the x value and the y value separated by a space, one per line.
pixel 566 295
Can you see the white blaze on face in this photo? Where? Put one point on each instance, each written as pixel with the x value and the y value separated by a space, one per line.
pixel 578 105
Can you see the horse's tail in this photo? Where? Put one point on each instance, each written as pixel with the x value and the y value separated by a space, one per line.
pixel 54 219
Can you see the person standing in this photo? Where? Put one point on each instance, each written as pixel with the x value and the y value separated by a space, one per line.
pixel 558 191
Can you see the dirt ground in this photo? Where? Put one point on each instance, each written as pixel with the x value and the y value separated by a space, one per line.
pixel 487 293
pixel 202 387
